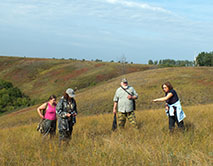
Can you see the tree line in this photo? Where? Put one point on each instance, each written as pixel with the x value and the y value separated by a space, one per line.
pixel 203 59
pixel 12 98
pixel 171 63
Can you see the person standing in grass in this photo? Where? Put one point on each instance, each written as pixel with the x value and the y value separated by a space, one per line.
pixel 49 116
pixel 173 106
pixel 124 99
pixel 66 110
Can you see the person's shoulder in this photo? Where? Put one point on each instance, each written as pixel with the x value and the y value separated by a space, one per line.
pixel 118 89
pixel 62 99
pixel 172 91
pixel 130 87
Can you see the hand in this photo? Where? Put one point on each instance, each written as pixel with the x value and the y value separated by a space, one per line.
pixel 114 111
pixel 155 100
pixel 129 97
pixel 68 115
pixel 42 117
pixel 74 114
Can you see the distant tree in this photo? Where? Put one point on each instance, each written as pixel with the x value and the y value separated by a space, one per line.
pixel 155 62
pixel 123 62
pixel 98 60
pixel 112 61
pixel 204 59
pixel 150 62
pixel 171 62
pixel 11 97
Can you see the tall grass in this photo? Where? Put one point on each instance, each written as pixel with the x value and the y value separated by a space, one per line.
pixel 93 142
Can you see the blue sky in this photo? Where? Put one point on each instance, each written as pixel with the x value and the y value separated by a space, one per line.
pixel 106 29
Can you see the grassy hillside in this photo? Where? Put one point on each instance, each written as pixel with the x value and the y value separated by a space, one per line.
pixel 97 81
pixel 94 143
pixel 193 85
pixel 39 78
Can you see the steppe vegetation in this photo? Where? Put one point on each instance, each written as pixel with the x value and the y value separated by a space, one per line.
pixel 94 143
pixel 39 78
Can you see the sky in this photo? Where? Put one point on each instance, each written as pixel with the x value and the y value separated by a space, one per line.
pixel 138 30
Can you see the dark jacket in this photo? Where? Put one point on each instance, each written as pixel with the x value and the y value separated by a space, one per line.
pixel 63 107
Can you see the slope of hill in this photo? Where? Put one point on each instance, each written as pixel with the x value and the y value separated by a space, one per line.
pixel 93 142
pixel 194 86
pixel 39 78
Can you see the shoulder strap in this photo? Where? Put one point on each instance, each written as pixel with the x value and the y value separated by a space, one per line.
pixel 44 110
pixel 126 91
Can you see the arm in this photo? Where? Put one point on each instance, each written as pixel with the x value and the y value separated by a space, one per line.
pixel 39 109
pixel 75 108
pixel 169 95
pixel 115 107
pixel 59 110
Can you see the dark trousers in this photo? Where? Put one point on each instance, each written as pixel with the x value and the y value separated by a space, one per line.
pixel 173 120
pixel 49 127
pixel 65 135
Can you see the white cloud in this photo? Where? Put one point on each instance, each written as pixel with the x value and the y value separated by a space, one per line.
pixel 138 5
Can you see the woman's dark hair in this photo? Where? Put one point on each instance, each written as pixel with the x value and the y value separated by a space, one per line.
pixel 168 84
pixel 52 97
pixel 66 96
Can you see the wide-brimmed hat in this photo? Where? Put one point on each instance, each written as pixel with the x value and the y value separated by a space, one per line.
pixel 70 92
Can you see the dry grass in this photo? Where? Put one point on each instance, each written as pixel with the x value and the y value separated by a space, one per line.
pixel 193 85
pixel 94 143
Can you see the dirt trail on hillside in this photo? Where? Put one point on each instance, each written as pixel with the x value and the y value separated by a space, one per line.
pixel 32 108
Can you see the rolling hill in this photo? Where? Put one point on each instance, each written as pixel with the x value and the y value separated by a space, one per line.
pixel 40 78
pixel 93 142
pixel 98 81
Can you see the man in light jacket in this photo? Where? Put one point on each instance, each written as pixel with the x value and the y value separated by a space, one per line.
pixel 124 99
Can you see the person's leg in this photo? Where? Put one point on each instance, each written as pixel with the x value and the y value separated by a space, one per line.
pixel 64 137
pixel 121 119
pixel 171 123
pixel 70 130
pixel 46 127
pixel 179 124
pixel 53 129
pixel 132 119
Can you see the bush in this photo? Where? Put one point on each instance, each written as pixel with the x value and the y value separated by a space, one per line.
pixel 11 97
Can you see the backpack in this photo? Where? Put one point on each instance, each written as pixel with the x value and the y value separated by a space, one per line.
pixel 40 126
